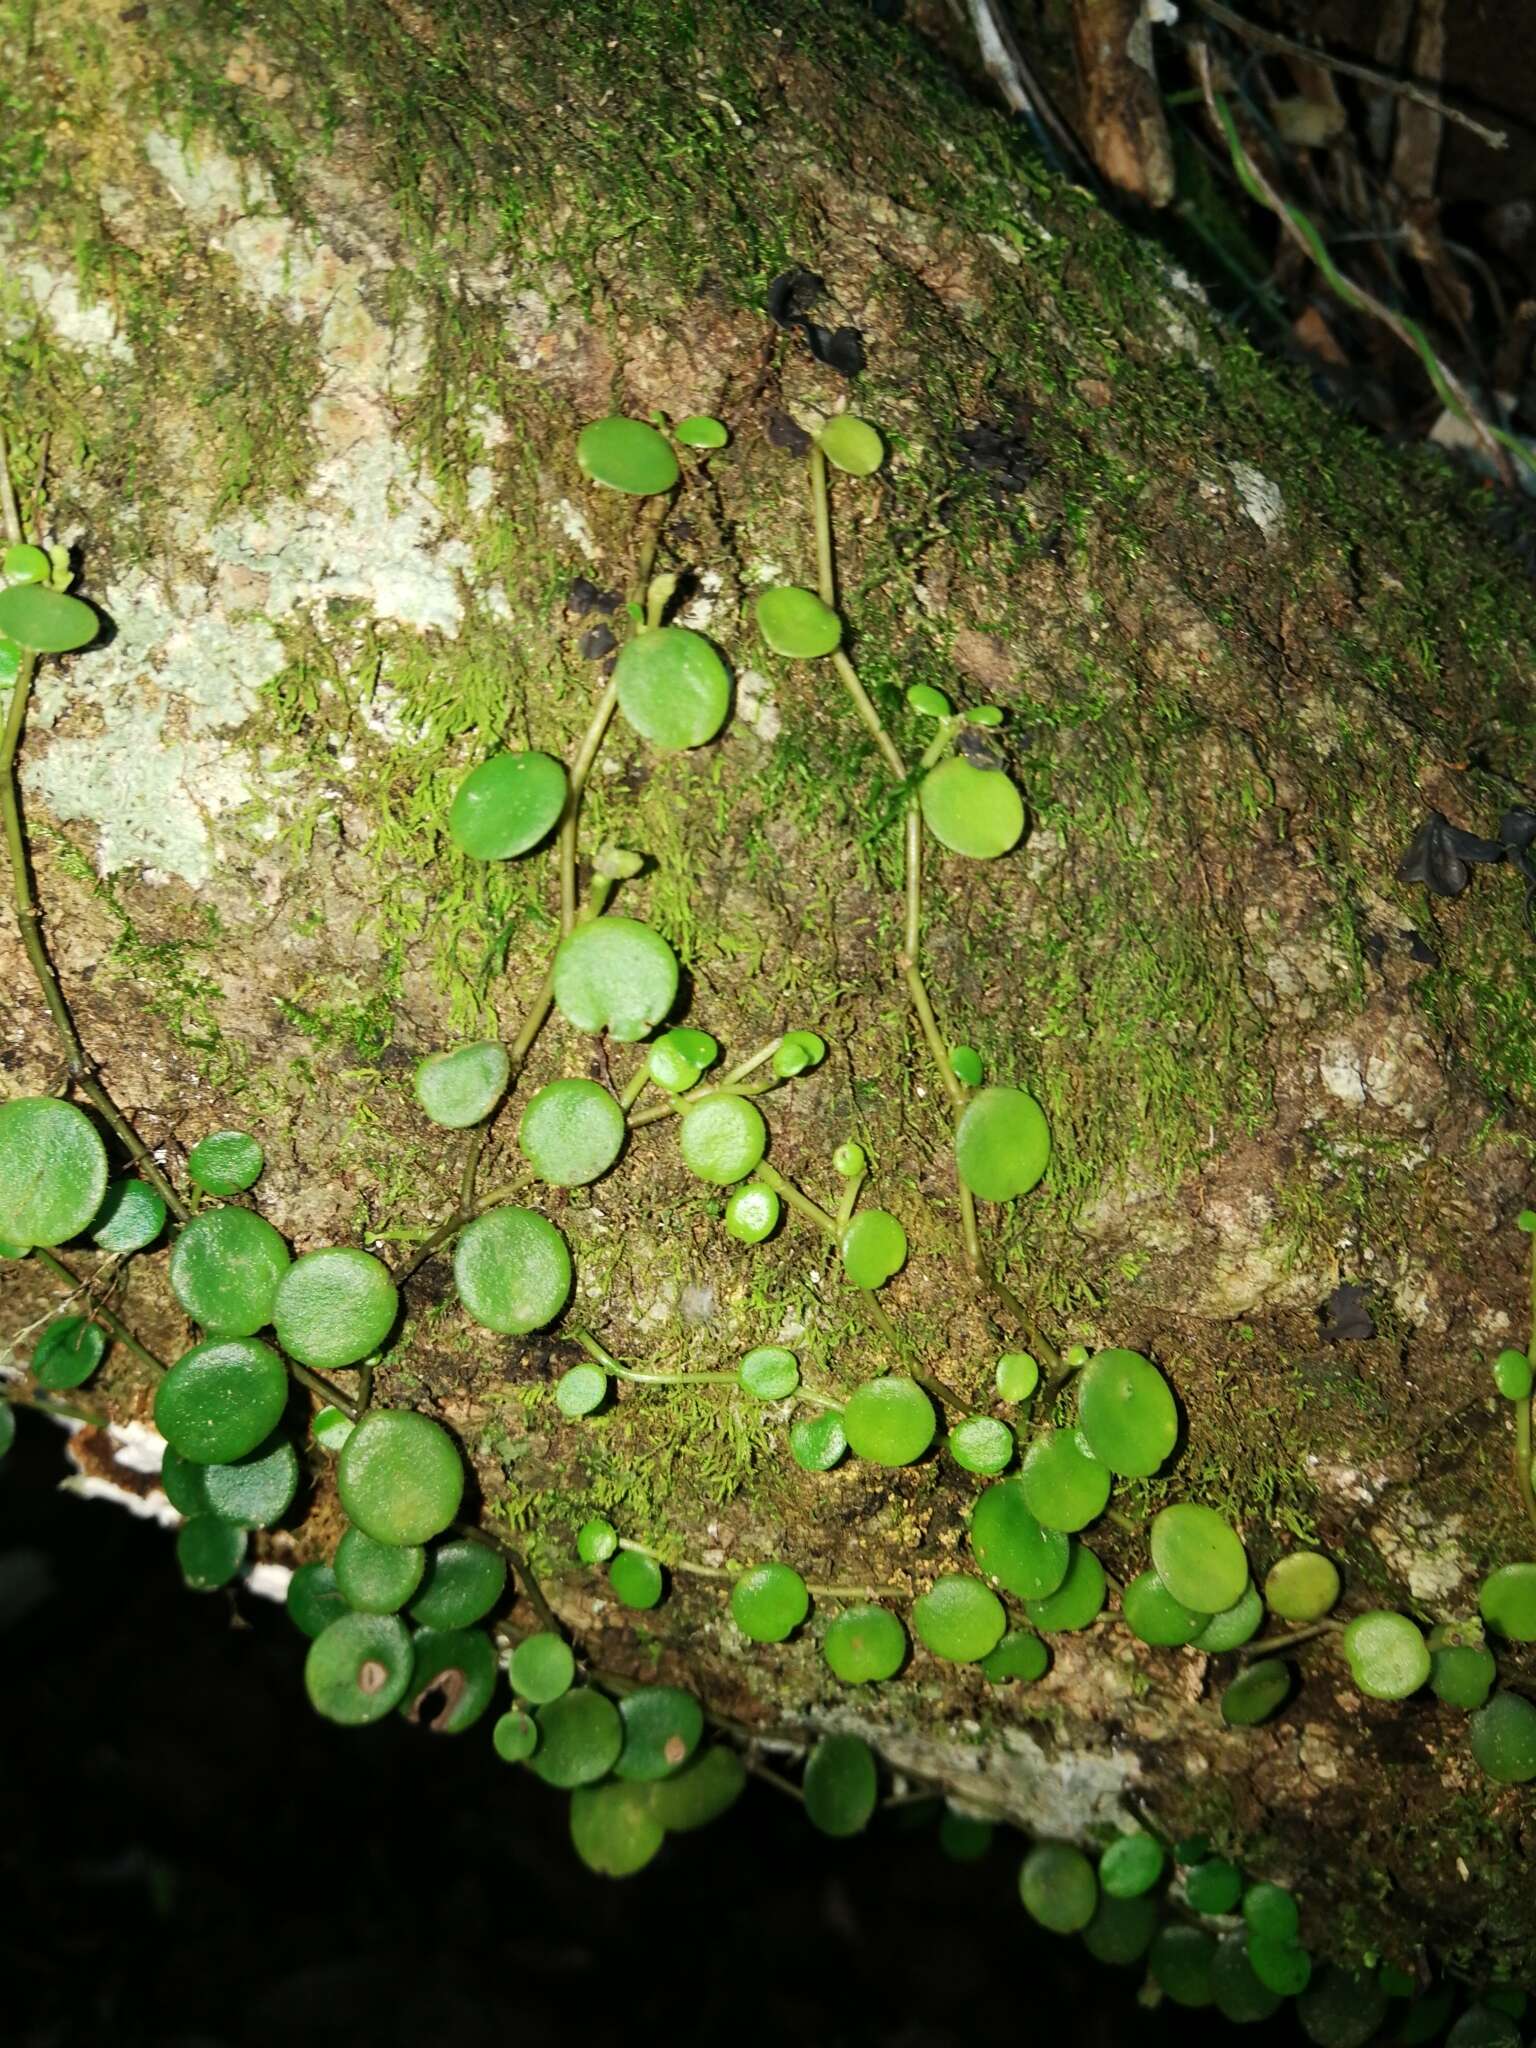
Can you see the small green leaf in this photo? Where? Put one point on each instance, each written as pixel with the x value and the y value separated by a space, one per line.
pixel 512 1269
pixel 46 620
pixel 314 1599
pixel 580 1737
pixel 453 1679
pixel 571 1133
pixel 851 445
pixel 23 563
pixel 769 1374
pixel 614 1829
pixel 256 1491
pixel 965 1064
pixel 221 1399
pixel 506 806
pixel 1256 1693
pixel 596 1540
pixel 464 1580
pixel 699 430
pixel 723 1138
pixel 1387 1655
pixel 1512 1375
pixel 1078 1601
pixel 1002 1143
pixel 542 1668
pixel 959 1619
pixel 769 1602
pixel 334 1307
pixel 841 1786
pixel 663 1726
pixel 460 1088
pixel 981 1444
pixel 210 1552
pixel 796 623
pixel 53 1167
pixel 225 1163
pixel 226 1266
pixel 1131 1865
pixel 1027 1560
pixel 1503 1739
pixel 1065 1486
pixel 679 1058
pixel 400 1476
pixel 874 1246
pixel 929 702
pixel 515 1737
pixel 67 1353
pixel 864 1645
pixel 628 456
pixel 818 1442
pixel 1154 1616
pixel 673 687
pixel 889 1421
pixel 1017 1376
pixel 1198 1557
pixel 796 1052
pixel 581 1390
pixel 615 975
pixel 1302 1587
pixel 1059 1888
pixel 1507 1602
pixel 1020 1655
pixel 377 1578
pixel 971 810
pixel 330 1429
pixel 131 1217
pixel 751 1212
pixel 1126 1412
pixel 1234 1625
pixel 636 1580
pixel 849 1160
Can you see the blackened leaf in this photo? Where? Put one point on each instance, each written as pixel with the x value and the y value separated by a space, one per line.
pixel 1517 828
pixel 1425 956
pixel 1430 859
pixel 792 295
pixel 1346 1319
pixel 584 596
pixel 597 643
pixel 840 348
pixel 1468 846
pixel 978 750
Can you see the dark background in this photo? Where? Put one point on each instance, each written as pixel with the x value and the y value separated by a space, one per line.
pixel 189 1856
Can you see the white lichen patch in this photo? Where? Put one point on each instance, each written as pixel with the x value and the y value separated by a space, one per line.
pixel 1424 1552
pixel 1259 498
pixel 90 328
pixel 140 730
pixel 1060 1795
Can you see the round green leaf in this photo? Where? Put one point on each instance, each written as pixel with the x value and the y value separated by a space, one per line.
pixel 513 1271
pixel 596 1540
pixel 1484 2026
pixel 1341 2009
pixel 1181 1961
pixel 1503 1739
pixel 53 1168
pixel 226 1267
pixel 769 1602
pixel 874 1246
pixel 1078 1601
pixel 817 1442
pixel 849 1160
pixel 67 1353
pixel 981 1444
pixel 840 1785
pixel 1512 1375
pixel 542 1668
pixel 1214 1886
pixel 680 1057
pixel 1064 1487
pixel 615 975
pixel 699 430
pixel 314 1599
pixel 1461 1674
pixel 330 1429
pixel 1020 1655
pixel 1507 1602
pixel 929 702
pixel 889 1421
pixel 377 1578
pixel 769 1374
pixel 1234 1626
pixel 580 1737
pixel 221 1399
pixel 965 1837
pixel 984 714
pixel 1256 1693
pixel 723 1138
pixel 256 1491
pixel 225 1163
pixel 1270 1913
pixel 210 1552
pixel 334 1307
pixel 1121 1930
pixel 131 1217
pixel 673 687
pixel 971 810
pixel 796 622
pixel 851 445
pixel 48 621
pixel 965 1065
pixel 1027 1560
pixel 958 1618
pixel 400 1476
pixel 358 1668
pixel 1387 1655
pixel 23 563
pixel 797 1052
pixel 1131 1865
pixel 636 1581
pixel 1002 1143
pixel 515 1737
pixel 1152 1613
pixel 1239 1994
pixel 507 805
pixel 571 1133
pixel 663 1726
pixel 1198 1558
pixel 183 1483
pixel 1302 1587
pixel 614 1829
pixel 462 1087
pixel 453 1679
pixel 1058 1887
pixel 628 456
pixel 1282 1966
pixel 751 1212
pixel 581 1390
pixel 864 1645
pixel 701 1791
pixel 1017 1377
pixel 464 1580
pixel 1125 1410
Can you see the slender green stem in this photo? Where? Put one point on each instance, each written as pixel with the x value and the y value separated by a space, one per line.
pixel 522 1570
pixel 1291 1641
pixel 674 1379
pixel 581 768
pixel 750 1066
pixel 821 514
pixel 472 1153
pixel 321 1386
pixel 365 1386
pixel 1523 1407
pixel 863 703
pixel 912 934
pixel 98 1313
pixel 633 1087
pixel 680 1564
pixel 679 1105
pixel 801 1204
pixel 10 511
pixel 50 1404
pixel 850 1200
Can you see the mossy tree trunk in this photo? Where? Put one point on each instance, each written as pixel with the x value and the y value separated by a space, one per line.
pixel 305 306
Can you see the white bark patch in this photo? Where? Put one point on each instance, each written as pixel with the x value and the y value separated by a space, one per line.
pixel 1259 498
pixel 92 329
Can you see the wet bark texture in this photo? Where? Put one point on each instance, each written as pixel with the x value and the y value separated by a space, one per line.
pixel 305 307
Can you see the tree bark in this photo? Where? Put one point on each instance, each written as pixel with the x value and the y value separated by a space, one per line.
pixel 312 302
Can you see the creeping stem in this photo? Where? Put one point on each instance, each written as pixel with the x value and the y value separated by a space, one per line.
pixel 28 922
pixel 1523 1485
pixel 98 1314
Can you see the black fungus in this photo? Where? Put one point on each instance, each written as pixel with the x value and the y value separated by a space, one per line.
pixel 785 433
pixel 791 297
pixel 1346 1319
pixel 597 643
pixel 1438 854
